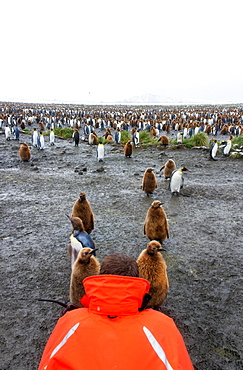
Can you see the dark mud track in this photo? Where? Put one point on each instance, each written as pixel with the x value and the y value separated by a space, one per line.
pixel 204 252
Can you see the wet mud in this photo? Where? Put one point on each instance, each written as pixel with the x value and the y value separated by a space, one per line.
pixel 203 253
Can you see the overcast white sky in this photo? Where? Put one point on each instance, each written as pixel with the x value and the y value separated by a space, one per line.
pixel 105 50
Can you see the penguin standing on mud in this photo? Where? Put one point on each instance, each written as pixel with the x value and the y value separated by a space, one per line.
pixel 128 149
pixel 168 168
pixel 177 180
pixel 149 182
pixel 100 152
pixel 85 265
pixel 78 235
pixel 83 210
pixel 226 146
pixel 52 137
pixel 118 136
pixel 213 150
pixel 156 225
pixel 152 267
pixel 76 137
pixel 24 152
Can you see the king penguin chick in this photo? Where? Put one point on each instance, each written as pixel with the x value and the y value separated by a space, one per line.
pixel 85 265
pixel 83 210
pixel 213 150
pixel 100 152
pixel 177 180
pixel 128 149
pixel 79 239
pixel 24 152
pixel 156 224
pixel 168 168
pixel 149 182
pixel 152 267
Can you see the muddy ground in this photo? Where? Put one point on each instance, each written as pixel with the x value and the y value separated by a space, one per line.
pixel 204 252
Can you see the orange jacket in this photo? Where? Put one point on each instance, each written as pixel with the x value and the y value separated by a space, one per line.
pixel 113 334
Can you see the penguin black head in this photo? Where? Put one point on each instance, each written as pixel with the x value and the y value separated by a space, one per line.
pixel 184 169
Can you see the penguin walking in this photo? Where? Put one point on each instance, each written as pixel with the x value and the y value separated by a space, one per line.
pixel 149 182
pixel 156 225
pixel 168 168
pixel 213 150
pixel 128 149
pixel 100 152
pixel 83 210
pixel 85 265
pixel 152 267
pixel 226 146
pixel 24 152
pixel 177 180
pixel 81 236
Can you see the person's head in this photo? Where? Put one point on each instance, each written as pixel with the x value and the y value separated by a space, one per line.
pixel 119 264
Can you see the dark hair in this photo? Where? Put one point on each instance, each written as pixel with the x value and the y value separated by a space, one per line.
pixel 119 264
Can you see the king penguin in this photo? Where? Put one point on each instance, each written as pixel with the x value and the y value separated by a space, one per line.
pixel 83 210
pixel 149 182
pixel 177 180
pixel 213 150
pixel 79 239
pixel 156 224
pixel 152 267
pixel 85 265
pixel 226 146
pixel 100 152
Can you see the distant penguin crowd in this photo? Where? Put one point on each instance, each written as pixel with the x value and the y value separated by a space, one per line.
pixel 122 128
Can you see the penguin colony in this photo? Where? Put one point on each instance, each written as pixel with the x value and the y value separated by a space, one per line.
pixel 151 263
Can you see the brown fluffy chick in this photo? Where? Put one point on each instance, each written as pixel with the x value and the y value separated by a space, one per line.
pixel 24 152
pixel 152 267
pixel 156 225
pixel 168 168
pixel 83 210
pixel 85 265
pixel 149 182
pixel 128 149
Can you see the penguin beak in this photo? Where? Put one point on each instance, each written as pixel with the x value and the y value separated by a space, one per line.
pixel 162 250
pixel 94 250
pixel 68 217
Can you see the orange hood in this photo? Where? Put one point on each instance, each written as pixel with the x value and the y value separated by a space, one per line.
pixel 114 295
